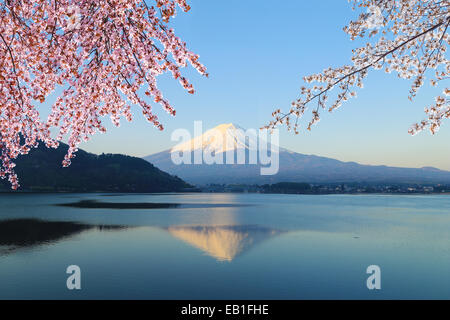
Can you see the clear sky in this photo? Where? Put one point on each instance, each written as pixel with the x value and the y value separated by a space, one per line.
pixel 257 52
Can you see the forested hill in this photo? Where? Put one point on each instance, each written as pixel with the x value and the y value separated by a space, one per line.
pixel 41 170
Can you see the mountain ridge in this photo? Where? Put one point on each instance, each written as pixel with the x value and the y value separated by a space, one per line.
pixel 41 171
pixel 293 167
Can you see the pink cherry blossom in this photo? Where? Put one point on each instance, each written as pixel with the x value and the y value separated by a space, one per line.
pixel 103 54
pixel 409 37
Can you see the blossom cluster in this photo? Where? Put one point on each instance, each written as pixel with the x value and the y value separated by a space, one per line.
pixel 104 56
pixel 409 37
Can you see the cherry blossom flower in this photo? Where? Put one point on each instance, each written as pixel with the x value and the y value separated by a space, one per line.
pixel 409 37
pixel 74 17
pixel 375 18
pixel 102 54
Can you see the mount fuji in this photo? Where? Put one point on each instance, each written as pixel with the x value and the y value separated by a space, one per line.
pixel 293 166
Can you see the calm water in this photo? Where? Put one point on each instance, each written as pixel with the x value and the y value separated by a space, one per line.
pixel 225 246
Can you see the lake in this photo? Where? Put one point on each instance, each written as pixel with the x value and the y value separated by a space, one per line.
pixel 224 246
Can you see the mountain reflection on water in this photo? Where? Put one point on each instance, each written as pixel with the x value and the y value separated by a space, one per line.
pixel 274 247
pixel 214 227
pixel 223 242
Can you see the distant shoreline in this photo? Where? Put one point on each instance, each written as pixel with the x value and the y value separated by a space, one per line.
pixel 109 193
pixel 275 188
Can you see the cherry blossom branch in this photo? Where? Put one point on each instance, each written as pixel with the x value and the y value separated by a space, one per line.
pixel 425 18
pixel 95 52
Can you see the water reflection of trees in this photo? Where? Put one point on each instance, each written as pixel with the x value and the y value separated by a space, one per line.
pixel 26 232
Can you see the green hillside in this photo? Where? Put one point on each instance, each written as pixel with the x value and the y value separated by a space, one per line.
pixel 41 171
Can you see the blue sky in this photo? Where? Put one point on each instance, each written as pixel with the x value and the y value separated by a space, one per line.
pixel 257 52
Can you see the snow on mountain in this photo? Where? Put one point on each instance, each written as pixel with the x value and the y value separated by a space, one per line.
pixel 223 138
pixel 293 166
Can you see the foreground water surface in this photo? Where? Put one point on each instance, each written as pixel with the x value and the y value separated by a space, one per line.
pixel 224 246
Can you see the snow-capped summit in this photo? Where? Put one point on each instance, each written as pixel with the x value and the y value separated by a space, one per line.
pixel 293 166
pixel 223 138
